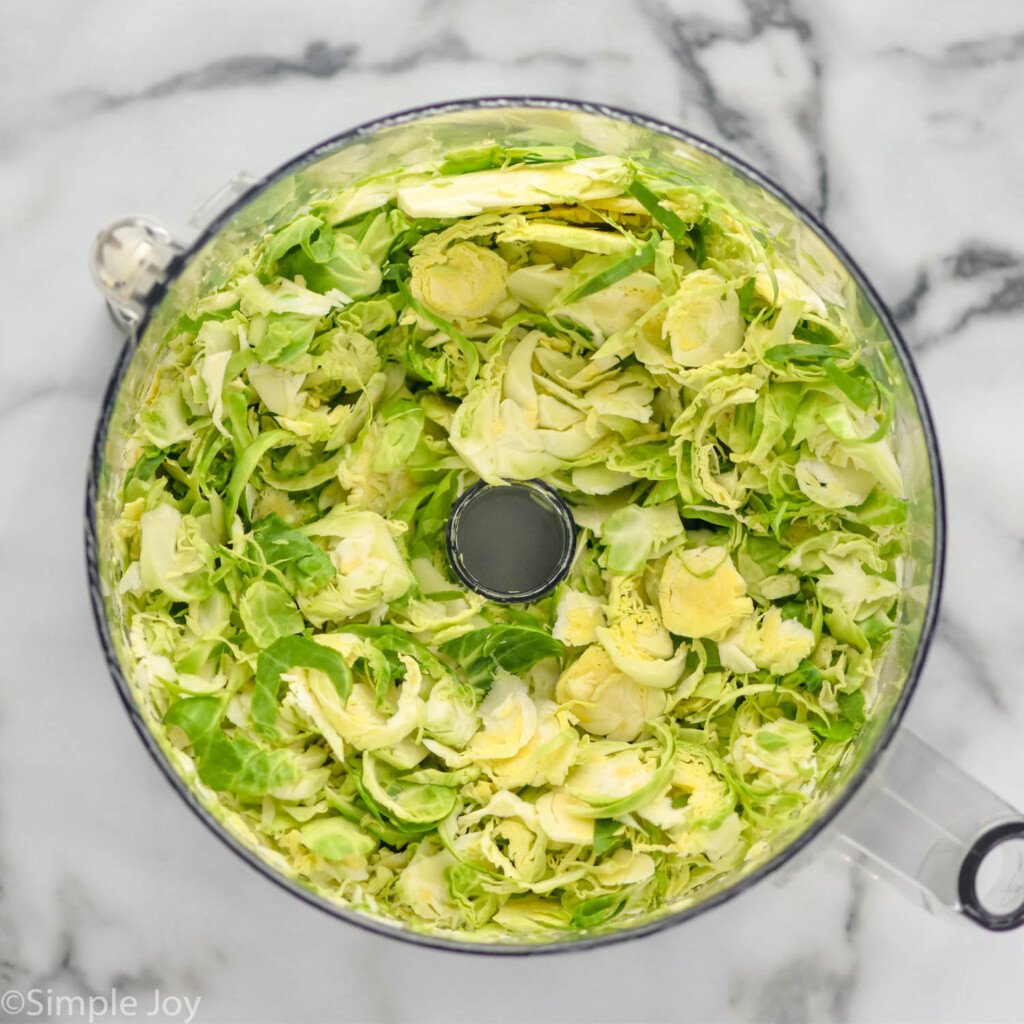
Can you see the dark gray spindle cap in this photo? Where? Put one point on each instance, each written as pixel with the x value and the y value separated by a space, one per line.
pixel 511 542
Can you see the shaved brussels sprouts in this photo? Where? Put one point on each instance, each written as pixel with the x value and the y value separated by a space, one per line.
pixel 406 746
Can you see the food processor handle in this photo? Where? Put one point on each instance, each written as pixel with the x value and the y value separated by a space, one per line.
pixel 939 835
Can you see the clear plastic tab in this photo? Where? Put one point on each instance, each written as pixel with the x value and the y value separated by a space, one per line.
pixel 132 256
pixel 216 203
pixel 128 260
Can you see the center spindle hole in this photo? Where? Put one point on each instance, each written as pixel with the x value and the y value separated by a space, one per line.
pixel 511 542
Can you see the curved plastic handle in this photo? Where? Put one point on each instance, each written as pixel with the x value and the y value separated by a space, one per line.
pixel 939 835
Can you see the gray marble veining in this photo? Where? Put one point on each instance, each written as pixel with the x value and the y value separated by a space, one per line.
pixel 895 122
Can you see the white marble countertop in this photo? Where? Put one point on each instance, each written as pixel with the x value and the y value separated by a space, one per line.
pixel 893 121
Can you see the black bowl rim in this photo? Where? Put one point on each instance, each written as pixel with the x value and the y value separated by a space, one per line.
pixel 380 926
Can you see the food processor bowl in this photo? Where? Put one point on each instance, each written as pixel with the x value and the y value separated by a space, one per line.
pixel 891 801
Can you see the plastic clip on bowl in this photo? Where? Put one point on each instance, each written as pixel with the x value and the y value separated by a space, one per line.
pixel 894 804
